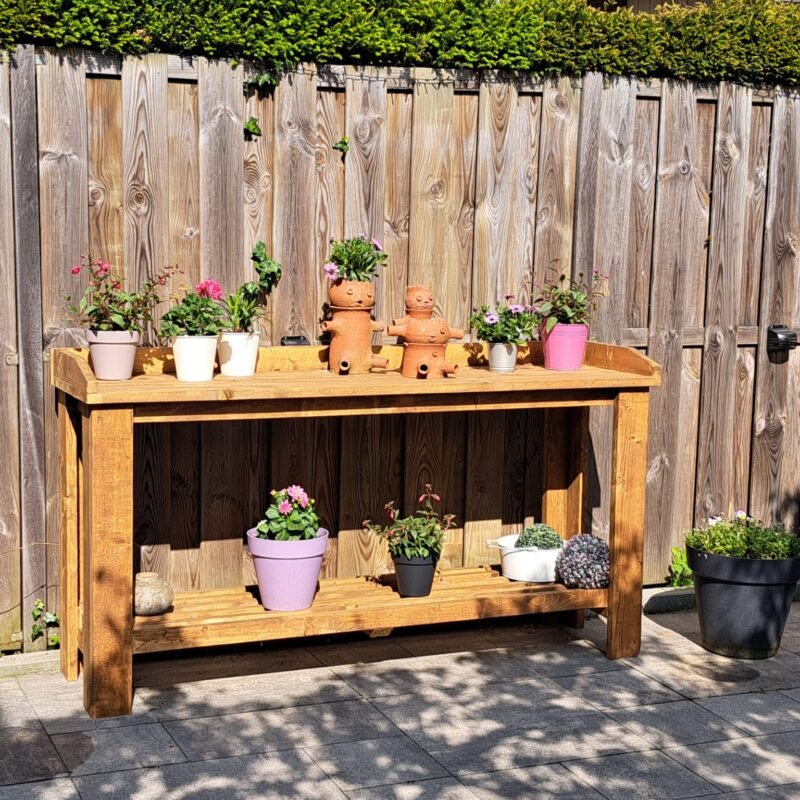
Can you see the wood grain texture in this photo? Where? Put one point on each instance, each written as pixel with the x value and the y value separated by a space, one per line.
pixel 718 416
pixel 151 491
pixel 743 425
pixel 294 185
pixel 10 578
pixel 106 190
pixel 183 518
pixel 557 166
pixel 774 485
pixel 145 116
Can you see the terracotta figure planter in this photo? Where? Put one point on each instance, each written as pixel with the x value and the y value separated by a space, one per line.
pixel 112 354
pixel 238 354
pixel 419 302
pixel 194 357
pixel 565 346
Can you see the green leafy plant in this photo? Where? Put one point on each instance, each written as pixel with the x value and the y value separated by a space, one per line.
pixel 43 622
pixel 246 304
pixel 421 534
pixel 540 536
pixel 291 516
pixel 106 305
pixel 744 537
pixel 571 302
pixel 505 324
pixel 355 259
pixel 251 128
pixel 198 313
pixel 679 573
pixel 343 145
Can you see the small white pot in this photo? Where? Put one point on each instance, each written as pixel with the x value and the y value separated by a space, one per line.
pixel 194 357
pixel 502 357
pixel 238 353
pixel 525 563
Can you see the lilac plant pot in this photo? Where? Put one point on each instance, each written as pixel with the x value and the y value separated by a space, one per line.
pixel 565 346
pixel 287 572
pixel 112 354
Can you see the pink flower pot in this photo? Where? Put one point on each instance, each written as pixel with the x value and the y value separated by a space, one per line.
pixel 287 572
pixel 112 354
pixel 565 346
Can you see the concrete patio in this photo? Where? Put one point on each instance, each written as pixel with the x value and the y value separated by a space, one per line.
pixel 503 710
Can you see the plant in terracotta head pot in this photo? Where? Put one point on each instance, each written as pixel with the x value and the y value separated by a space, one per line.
pixel 565 309
pixel 196 321
pixel 113 316
pixel 352 265
pixel 504 328
pixel 287 548
pixel 745 576
pixel 238 347
pixel 415 543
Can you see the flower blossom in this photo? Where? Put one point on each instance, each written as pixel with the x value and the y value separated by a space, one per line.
pixel 491 319
pixel 210 288
pixel 285 507
pixel 740 515
pixel 104 268
pixel 377 245
pixel 76 269
pixel 299 494
pixel 714 520
pixel 515 308
pixel 331 271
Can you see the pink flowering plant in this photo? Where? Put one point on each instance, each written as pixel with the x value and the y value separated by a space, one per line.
pixel 290 518
pixel 421 534
pixel 197 313
pixel 355 259
pixel 106 305
pixel 569 301
pixel 510 323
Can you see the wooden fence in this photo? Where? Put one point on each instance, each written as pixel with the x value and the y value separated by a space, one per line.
pixel 688 196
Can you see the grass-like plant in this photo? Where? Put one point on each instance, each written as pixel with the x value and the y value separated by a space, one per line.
pixel 744 537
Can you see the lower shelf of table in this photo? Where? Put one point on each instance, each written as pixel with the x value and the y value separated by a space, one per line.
pixel 234 616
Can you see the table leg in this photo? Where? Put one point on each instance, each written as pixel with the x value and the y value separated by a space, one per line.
pixel 108 562
pixel 628 484
pixel 68 432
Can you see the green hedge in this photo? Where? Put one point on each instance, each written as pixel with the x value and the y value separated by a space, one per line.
pixel 754 41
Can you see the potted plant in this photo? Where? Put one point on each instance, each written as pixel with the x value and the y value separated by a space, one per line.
pixel 287 548
pixel 113 316
pixel 745 575
pixel 531 555
pixel 238 347
pixel 504 328
pixel 195 322
pixel 415 543
pixel 565 309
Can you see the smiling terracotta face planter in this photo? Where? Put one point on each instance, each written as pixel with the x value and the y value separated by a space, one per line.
pixel 351 294
pixel 419 302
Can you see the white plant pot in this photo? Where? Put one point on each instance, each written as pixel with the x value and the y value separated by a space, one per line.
pixel 502 357
pixel 525 563
pixel 238 353
pixel 194 357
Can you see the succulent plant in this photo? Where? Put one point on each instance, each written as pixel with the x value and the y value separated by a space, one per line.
pixel 540 536
pixel 584 562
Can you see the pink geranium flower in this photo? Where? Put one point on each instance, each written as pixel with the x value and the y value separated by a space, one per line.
pixel 210 288
pixel 331 271
pixel 285 507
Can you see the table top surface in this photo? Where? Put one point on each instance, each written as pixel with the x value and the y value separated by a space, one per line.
pixel 286 373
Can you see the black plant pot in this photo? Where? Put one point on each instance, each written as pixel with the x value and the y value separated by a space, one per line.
pixel 743 603
pixel 414 575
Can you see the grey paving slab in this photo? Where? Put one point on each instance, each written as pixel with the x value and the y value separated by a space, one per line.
pixel 676 723
pixel 438 789
pixel 551 782
pixel 379 762
pixel 641 776
pixel 64 713
pixel 758 712
pixel 16 710
pixel 58 789
pixel 520 634
pixel 27 755
pixel 290 775
pixel 576 657
pixel 490 746
pixel 789 792
pixel 460 641
pixel 366 651
pixel 749 763
pixel 617 689
pixel 279 729
pixel 112 749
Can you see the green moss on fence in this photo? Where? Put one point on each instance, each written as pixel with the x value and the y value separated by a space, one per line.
pixel 745 40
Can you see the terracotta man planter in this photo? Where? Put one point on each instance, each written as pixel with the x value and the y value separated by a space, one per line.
pixel 424 346
pixel 419 302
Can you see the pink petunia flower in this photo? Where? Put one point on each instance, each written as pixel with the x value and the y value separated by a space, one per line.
pixel 210 288
pixel 285 507
pixel 377 245
pixel 331 271
pixel 76 269
pixel 491 319
pixel 515 308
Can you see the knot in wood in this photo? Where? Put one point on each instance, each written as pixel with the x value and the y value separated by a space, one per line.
pixel 684 167
pixel 437 189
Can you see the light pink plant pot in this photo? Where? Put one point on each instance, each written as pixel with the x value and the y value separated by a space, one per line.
pixel 287 572
pixel 112 354
pixel 565 346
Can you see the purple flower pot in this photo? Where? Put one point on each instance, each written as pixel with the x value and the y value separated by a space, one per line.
pixel 287 572
pixel 112 354
pixel 565 346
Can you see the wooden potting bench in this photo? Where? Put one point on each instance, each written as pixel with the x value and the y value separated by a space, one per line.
pixel 99 633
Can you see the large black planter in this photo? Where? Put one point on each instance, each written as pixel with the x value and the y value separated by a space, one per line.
pixel 414 575
pixel 743 603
